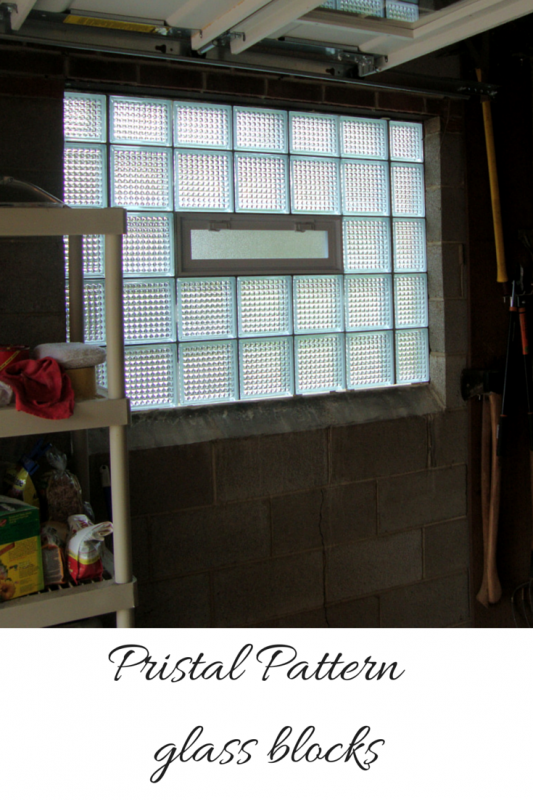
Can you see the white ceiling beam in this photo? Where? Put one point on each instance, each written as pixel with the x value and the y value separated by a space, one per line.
pixel 221 24
pixel 183 11
pixel 269 19
pixel 23 9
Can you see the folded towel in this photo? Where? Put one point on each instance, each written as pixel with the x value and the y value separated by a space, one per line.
pixel 72 355
pixel 41 388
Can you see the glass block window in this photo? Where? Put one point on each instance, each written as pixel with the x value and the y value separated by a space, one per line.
pixel 399 10
pixel 196 337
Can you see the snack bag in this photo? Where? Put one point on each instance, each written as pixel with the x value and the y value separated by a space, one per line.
pixel 53 538
pixel 63 491
pixel 84 548
pixel 18 481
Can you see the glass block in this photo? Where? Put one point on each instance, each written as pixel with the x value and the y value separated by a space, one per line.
pixel 408 190
pixel 260 129
pixel 366 245
pixel 85 184
pixel 261 183
pixel 206 308
pixel 369 360
pixel 410 301
pixel 149 311
pixel 140 121
pixel 363 138
pixel 101 374
pixel 150 373
pixel 314 185
pixel 141 177
pixel 204 181
pixel 84 117
pixel 94 311
pixel 329 4
pixel 319 364
pixel 93 255
pixel 202 125
pixel 148 247
pixel 317 303
pixel 405 12
pixel 368 302
pixel 264 305
pixel 365 187
pixel 409 237
pixel 367 8
pixel 412 356
pixel 406 141
pixel 313 134
pixel 207 372
pixel 266 368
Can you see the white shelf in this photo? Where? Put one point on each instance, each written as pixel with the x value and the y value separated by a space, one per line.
pixel 98 413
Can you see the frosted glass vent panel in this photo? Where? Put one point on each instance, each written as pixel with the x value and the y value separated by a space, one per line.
pixel 136 121
pixel 150 374
pixel 313 134
pixel 85 184
pixel 266 368
pixel 319 364
pixel 94 311
pixel 412 357
pixel 84 117
pixel 410 301
pixel 93 255
pixel 365 187
pixel 408 190
pixel 207 372
pixel 252 245
pixel 409 236
pixel 317 304
pixel 369 360
pixel 204 181
pixel 406 143
pixel 264 306
pixel 261 183
pixel 148 247
pixel 206 308
pixel 199 125
pixel 314 185
pixel 367 8
pixel 363 138
pixel 366 244
pixel 368 302
pixel 141 178
pixel 260 129
pixel 403 12
pixel 149 311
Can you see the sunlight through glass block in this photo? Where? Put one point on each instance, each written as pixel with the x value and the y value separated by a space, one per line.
pixel 328 4
pixel 149 311
pixel 94 311
pixel 410 301
pixel 409 236
pixel 369 360
pixel 406 142
pixel 363 138
pixel 207 372
pixel 261 183
pixel 368 302
pixel 202 125
pixel 84 117
pixel 319 364
pixel 412 357
pixel 313 134
pixel 206 308
pixel 368 8
pixel 264 305
pixel 85 176
pixel 204 181
pixel 317 303
pixel 140 121
pixel 366 244
pixel 92 255
pixel 266 368
pixel 148 247
pixel 404 12
pixel 141 177
pixel 365 187
pixel 408 190
pixel 150 373
pixel 314 185
pixel 260 129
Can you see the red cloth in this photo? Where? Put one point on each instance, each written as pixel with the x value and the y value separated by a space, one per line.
pixel 41 388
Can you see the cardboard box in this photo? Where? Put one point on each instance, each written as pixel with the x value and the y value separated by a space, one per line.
pixel 21 567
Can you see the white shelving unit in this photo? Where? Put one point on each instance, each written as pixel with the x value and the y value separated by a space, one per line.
pixel 110 410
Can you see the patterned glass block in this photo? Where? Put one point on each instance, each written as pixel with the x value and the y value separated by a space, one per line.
pixel 366 244
pixel 319 363
pixel 141 177
pixel 204 181
pixel 93 255
pixel 368 8
pixel 101 374
pixel 85 176
pixel 206 308
pixel 409 237
pixel 368 302
pixel 363 138
pixel 314 185
pixel 410 301
pixel 313 134
pixel 412 356
pixel 94 311
pixel 84 117
pixel 405 12
pixel 365 187
pixel 264 305
pixel 317 303
pixel 150 373
pixel 266 368
pixel 329 4
pixel 149 311
pixel 140 121
pixel 202 125
pixel 408 190
pixel 260 129
pixel 369 360
pixel 406 141
pixel 261 183
pixel 148 247
pixel 207 372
